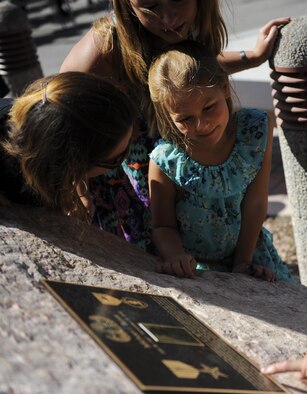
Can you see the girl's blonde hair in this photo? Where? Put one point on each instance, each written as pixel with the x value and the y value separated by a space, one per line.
pixel 60 127
pixel 177 71
pixel 134 41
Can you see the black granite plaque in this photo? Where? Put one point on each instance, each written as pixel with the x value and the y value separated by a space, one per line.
pixel 160 345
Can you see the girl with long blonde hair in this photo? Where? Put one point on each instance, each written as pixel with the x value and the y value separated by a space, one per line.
pixel 209 176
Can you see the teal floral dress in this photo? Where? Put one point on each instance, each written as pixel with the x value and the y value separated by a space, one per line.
pixel 209 213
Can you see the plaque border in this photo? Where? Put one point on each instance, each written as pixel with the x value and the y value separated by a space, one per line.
pixel 128 372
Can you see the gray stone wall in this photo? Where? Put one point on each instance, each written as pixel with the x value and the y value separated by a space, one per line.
pixel 43 349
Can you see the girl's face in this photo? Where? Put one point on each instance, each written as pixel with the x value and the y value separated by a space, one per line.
pixel 114 159
pixel 170 21
pixel 202 115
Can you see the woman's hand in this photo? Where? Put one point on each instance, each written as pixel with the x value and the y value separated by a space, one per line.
pixel 266 39
pixel 258 271
pixel 182 265
pixel 289 366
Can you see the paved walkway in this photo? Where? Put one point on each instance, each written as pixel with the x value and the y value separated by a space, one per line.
pixel 55 35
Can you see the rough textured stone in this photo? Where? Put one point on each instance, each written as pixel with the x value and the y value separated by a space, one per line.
pixel 294 155
pixel 43 350
pixel 291 45
pixel 289 58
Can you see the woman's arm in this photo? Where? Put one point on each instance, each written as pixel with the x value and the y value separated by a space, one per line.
pixel 86 57
pixel 162 192
pixel 254 210
pixel 234 61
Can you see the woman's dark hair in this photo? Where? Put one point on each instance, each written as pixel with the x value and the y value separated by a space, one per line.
pixel 60 127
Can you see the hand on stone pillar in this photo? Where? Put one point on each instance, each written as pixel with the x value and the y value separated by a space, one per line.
pixel 266 39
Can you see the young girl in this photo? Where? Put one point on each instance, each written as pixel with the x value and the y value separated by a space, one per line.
pixel 208 178
pixel 63 131
pixel 121 47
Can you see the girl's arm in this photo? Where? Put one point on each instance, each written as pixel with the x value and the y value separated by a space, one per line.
pixel 254 210
pixel 162 192
pixel 234 61
pixel 86 57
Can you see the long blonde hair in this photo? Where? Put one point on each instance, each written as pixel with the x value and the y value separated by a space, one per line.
pixel 134 41
pixel 178 70
pixel 60 127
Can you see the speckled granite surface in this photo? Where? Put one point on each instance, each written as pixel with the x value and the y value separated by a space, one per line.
pixel 43 350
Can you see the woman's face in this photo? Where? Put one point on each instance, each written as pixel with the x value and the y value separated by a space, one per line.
pixel 170 21
pixel 114 159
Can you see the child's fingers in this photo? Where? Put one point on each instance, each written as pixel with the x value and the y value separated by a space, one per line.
pixel 193 264
pixel 164 268
pixel 192 268
pixel 178 269
pixel 188 266
pixel 169 268
pixel 269 275
pixel 258 271
pixel 181 268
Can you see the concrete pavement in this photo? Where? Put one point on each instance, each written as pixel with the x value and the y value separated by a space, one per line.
pixel 55 35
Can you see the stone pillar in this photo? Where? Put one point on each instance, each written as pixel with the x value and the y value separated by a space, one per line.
pixel 289 91
pixel 19 63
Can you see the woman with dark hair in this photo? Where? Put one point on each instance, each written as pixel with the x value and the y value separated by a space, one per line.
pixel 62 132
